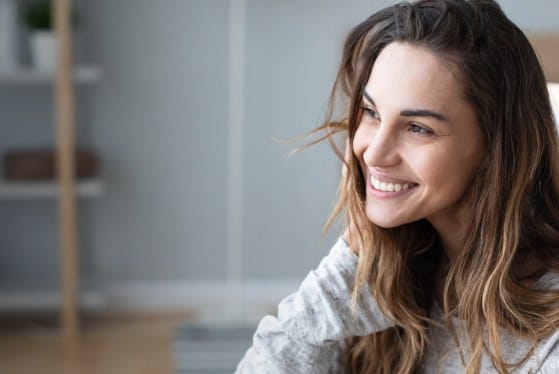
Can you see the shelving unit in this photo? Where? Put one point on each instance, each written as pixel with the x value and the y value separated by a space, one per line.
pixel 45 190
pixel 81 74
pixel 65 189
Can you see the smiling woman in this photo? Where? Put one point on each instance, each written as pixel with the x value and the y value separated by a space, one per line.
pixel 450 262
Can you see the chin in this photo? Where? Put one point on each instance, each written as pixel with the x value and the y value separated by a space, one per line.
pixel 385 223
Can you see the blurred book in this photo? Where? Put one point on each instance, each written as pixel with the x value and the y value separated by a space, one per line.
pixel 199 349
pixel 40 165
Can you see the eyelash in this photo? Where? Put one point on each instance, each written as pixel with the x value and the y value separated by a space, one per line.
pixel 414 128
pixel 369 112
pixel 419 129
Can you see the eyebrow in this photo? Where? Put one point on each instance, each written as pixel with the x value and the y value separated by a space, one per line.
pixel 413 112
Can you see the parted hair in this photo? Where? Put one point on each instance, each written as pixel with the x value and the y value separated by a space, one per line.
pixel 514 194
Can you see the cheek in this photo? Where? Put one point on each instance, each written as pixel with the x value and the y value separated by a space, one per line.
pixel 358 143
pixel 359 146
pixel 448 173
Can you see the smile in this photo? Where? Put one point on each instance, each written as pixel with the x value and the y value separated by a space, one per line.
pixel 389 186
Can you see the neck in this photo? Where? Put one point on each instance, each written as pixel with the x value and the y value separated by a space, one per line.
pixel 452 242
pixel 451 233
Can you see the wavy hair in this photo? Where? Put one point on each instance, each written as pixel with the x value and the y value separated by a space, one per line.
pixel 515 192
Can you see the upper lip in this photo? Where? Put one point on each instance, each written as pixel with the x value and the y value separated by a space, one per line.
pixel 388 179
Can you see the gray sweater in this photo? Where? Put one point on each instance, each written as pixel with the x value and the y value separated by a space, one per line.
pixel 308 334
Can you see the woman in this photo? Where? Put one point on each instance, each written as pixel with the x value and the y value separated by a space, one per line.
pixel 451 260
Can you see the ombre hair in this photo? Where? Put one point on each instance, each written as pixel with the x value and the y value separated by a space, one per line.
pixel 515 192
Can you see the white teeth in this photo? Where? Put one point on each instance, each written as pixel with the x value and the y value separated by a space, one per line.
pixel 389 187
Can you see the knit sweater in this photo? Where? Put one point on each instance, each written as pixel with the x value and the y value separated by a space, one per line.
pixel 308 334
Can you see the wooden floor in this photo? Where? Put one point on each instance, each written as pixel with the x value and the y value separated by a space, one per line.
pixel 108 344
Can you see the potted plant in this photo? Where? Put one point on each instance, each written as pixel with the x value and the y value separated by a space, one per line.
pixel 37 16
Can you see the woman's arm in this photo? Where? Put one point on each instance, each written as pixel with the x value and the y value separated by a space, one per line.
pixel 312 324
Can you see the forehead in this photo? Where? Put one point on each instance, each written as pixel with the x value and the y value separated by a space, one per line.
pixel 414 76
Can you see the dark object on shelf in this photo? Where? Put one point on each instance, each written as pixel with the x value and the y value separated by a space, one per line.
pixel 38 15
pixel 41 165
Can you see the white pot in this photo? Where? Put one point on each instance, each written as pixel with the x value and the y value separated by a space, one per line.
pixel 43 50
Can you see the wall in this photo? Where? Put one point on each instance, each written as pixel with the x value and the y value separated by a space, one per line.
pixel 159 120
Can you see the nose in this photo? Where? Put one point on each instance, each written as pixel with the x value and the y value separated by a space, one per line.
pixel 382 148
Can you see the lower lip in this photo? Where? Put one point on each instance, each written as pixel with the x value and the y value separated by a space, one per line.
pixel 387 194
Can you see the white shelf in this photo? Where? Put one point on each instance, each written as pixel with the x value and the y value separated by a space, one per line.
pixel 82 74
pixel 19 299
pixel 47 190
pixel 29 300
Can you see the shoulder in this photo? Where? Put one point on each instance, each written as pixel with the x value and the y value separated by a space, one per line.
pixel 547 351
pixel 548 281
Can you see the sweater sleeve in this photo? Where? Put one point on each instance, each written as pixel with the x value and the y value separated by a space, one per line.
pixel 312 324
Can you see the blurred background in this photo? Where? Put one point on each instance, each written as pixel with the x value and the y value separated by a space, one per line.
pixel 190 213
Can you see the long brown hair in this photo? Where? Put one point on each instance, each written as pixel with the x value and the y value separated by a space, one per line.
pixel 515 192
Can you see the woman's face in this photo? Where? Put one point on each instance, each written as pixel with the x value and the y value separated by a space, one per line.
pixel 418 141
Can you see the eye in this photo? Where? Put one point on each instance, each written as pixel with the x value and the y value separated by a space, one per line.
pixel 421 130
pixel 369 112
